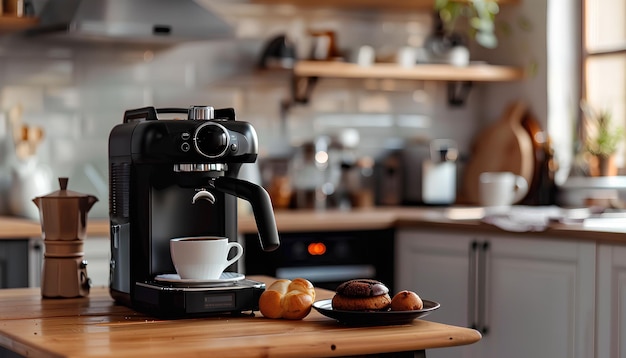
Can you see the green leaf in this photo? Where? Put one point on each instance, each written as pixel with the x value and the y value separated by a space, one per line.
pixel 487 39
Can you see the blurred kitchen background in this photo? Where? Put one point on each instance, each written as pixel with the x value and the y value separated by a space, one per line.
pixel 75 91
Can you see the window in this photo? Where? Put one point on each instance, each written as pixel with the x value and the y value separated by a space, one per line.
pixel 604 61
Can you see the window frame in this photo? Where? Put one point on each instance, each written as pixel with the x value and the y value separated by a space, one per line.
pixel 586 55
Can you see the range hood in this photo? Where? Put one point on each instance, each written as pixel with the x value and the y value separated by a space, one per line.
pixel 134 21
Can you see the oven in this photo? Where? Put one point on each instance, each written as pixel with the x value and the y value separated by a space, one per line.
pixel 325 258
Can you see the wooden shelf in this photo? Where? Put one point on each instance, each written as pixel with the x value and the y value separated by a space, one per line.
pixel 459 79
pixel 10 24
pixel 426 72
pixel 365 4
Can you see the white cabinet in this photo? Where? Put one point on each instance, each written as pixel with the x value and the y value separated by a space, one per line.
pixel 528 297
pixel 611 304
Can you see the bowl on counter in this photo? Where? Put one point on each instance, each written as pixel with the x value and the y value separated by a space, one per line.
pixel 608 191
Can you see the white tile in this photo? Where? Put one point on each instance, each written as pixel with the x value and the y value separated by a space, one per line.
pixel 110 97
pixel 60 98
pixel 29 97
pixel 38 71
pixel 79 93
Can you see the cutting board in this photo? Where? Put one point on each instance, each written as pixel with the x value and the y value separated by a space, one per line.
pixel 504 146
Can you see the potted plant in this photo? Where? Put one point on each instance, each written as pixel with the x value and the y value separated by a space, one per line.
pixel 601 141
pixel 446 44
pixel 479 13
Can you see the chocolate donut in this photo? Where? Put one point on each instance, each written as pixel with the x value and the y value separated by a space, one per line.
pixel 362 295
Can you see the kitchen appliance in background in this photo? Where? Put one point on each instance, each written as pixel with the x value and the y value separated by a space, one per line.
pixel 275 178
pixel 315 171
pixel 328 173
pixel 137 21
pixel 63 216
pixel 179 178
pixel 278 53
pixel 307 172
pixel 326 258
pixel 438 175
pixel 389 178
pixel 421 173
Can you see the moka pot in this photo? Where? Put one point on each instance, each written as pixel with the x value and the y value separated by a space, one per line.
pixel 63 216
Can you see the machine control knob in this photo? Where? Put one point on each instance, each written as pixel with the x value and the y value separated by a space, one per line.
pixel 197 113
pixel 211 140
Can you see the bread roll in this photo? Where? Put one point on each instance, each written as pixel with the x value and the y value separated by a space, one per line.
pixel 287 299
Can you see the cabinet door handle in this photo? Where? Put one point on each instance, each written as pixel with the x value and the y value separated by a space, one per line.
pixel 474 290
pixel 483 287
pixel 3 273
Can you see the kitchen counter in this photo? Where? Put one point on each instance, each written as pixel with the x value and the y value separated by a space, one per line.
pixel 95 326
pixel 452 218
pixel 20 228
pixel 449 218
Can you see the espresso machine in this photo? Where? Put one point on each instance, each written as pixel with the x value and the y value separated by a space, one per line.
pixel 172 178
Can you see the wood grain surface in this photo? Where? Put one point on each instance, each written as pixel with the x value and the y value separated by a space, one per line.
pixel 366 4
pixel 20 228
pixel 95 326
pixel 504 146
pixel 443 218
pixel 433 72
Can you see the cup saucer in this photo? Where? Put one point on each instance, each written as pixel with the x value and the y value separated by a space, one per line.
pixel 226 277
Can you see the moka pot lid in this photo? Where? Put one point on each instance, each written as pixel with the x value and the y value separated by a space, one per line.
pixel 83 201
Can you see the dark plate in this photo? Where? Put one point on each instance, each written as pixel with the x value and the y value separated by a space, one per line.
pixel 373 318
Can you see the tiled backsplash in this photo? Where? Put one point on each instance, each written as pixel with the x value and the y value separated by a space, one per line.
pixel 78 92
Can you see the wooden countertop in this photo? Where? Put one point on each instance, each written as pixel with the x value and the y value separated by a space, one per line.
pixel 450 218
pixel 95 326
pixel 19 228
pixel 453 218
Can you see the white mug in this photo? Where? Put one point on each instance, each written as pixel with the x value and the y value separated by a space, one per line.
pixel 407 56
pixel 501 188
pixel 366 56
pixel 202 257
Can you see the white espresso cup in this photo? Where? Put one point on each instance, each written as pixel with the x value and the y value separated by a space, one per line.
pixel 501 188
pixel 203 257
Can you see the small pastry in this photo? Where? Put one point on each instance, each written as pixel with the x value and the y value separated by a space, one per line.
pixel 406 301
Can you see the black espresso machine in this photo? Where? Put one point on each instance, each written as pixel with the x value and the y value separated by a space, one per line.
pixel 159 169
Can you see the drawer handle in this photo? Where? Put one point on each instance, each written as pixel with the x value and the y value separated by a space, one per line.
pixel 483 287
pixel 473 312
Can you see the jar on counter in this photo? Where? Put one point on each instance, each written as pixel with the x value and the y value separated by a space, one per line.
pixel 307 179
